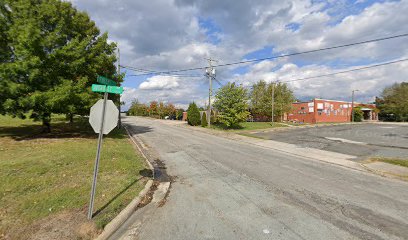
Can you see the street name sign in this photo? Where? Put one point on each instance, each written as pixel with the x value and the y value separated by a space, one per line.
pixel 109 89
pixel 105 81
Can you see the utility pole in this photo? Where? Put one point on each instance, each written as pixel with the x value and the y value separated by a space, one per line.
pixel 352 105
pixel 273 102
pixel 210 73
pixel 120 103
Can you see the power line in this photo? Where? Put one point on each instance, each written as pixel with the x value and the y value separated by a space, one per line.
pixel 347 71
pixel 149 71
pixel 139 69
pixel 171 75
pixel 218 82
pixel 276 57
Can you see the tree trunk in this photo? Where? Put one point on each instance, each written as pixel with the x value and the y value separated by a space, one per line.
pixel 71 118
pixel 46 122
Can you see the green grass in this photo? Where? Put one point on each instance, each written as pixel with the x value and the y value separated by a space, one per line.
pixel 45 174
pixel 248 126
pixel 395 161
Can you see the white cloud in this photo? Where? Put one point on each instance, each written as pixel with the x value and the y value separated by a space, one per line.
pixel 159 83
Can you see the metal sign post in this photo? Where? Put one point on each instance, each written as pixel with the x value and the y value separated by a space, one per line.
pixel 98 155
pixel 108 112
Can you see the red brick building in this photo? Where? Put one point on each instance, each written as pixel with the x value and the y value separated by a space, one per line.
pixel 322 110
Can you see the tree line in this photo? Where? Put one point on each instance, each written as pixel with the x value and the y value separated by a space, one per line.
pixel 155 109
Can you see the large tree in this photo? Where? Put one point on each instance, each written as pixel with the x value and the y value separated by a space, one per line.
pixel 51 53
pixel 393 103
pixel 261 99
pixel 231 101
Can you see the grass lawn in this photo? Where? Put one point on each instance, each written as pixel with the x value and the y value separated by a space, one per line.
pixel 45 179
pixel 249 126
pixel 395 161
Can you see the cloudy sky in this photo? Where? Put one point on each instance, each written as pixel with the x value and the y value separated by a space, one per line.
pixel 166 35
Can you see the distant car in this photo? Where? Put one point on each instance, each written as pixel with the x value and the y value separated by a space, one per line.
pixel 167 117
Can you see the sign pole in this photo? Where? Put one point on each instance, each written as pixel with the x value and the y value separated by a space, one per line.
pixel 98 154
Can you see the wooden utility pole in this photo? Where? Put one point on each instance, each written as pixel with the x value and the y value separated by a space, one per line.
pixel 210 73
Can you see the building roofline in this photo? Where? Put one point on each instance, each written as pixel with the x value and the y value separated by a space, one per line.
pixel 329 100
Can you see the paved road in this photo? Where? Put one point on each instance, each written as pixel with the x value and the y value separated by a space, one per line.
pixel 226 189
pixel 363 140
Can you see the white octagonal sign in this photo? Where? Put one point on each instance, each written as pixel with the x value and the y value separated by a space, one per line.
pixel 111 116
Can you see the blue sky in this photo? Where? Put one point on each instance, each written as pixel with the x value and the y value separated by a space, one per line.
pixel 178 34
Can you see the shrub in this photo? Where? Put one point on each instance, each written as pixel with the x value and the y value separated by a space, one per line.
pixel 193 115
pixel 204 122
pixel 358 114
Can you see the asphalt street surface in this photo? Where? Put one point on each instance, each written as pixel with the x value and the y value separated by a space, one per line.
pixel 362 140
pixel 225 189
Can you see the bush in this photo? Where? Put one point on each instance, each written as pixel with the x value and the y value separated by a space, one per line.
pixel 204 122
pixel 193 115
pixel 358 114
pixel 213 117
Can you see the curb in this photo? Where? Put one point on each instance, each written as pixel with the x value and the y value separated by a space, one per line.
pixel 114 225
pixel 384 174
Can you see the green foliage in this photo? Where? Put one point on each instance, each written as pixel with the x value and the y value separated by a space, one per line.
pixel 213 117
pixel 231 101
pixel 193 115
pixel 261 99
pixel 204 122
pixel 52 55
pixel 358 114
pixel 138 109
pixel 179 114
pixel 155 109
pixel 393 103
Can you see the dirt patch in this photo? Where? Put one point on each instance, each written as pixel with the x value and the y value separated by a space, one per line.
pixel 149 195
pixel 63 226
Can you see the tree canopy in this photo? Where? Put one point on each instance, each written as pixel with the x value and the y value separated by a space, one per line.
pixel 261 99
pixel 232 103
pixel 154 109
pixel 51 54
pixel 393 103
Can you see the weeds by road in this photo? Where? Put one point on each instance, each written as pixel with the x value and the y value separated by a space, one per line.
pixel 248 126
pixel 45 179
pixel 395 161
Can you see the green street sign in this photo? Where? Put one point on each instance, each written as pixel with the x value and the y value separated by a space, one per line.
pixel 114 89
pixel 106 81
pixel 109 89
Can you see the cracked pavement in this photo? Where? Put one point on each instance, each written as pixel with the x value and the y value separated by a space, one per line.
pixel 226 189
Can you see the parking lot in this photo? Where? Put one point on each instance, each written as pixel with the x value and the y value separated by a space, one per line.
pixel 361 140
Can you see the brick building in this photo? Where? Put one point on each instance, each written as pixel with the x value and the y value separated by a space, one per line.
pixel 322 110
